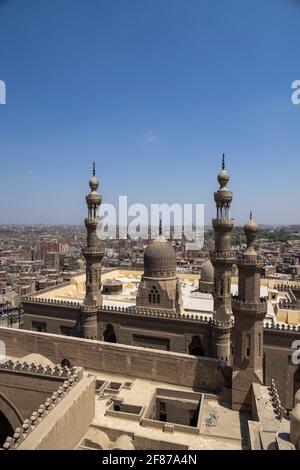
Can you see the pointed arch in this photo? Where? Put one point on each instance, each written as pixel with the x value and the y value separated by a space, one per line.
pixel 10 418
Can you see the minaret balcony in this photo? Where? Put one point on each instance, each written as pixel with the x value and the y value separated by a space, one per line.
pixel 250 309
pixel 249 261
pixel 94 199
pixel 92 222
pixel 96 253
pixel 222 224
pixel 222 256
pixel 223 197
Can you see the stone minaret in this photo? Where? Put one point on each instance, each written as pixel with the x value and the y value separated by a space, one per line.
pixel 93 253
pixel 222 259
pixel 249 312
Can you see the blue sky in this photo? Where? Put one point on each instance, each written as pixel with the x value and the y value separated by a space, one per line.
pixel 153 91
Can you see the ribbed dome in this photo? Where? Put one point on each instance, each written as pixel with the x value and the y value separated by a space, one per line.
pixel 160 259
pixel 207 272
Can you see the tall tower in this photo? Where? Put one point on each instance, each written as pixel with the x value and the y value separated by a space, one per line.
pixel 93 253
pixel 249 311
pixel 222 259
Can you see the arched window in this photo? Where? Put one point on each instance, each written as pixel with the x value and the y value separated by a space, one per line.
pixel 196 347
pixel 248 346
pixel 65 363
pixel 109 334
pixel 154 296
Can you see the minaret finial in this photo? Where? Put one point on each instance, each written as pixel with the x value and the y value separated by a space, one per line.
pixel 94 169
pixel 251 215
pixel 160 227
pixel 223 161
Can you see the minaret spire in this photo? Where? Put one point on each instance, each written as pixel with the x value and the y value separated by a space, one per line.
pixel 222 259
pixel 93 253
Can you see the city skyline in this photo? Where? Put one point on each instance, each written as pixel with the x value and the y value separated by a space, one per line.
pixel 154 94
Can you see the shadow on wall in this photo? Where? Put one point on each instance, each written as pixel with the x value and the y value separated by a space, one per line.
pixel 211 376
pixel 10 418
pixel 6 429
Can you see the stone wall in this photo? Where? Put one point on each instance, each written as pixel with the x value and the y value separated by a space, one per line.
pixel 180 369
pixel 52 314
pixel 177 333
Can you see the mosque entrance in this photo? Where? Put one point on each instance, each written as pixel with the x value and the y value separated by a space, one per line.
pixel 109 334
pixel 196 347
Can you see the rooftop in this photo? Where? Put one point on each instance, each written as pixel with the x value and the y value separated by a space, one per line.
pixel 193 300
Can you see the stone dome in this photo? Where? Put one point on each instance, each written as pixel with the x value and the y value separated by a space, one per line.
pixel 160 259
pixel 223 178
pixel 94 183
pixel 37 359
pixel 207 272
pixel 250 226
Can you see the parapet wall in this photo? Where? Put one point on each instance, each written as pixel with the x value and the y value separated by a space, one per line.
pixel 29 385
pixel 62 420
pixel 164 366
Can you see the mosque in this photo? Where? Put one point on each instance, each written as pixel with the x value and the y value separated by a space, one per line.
pixel 216 316
pixel 126 360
